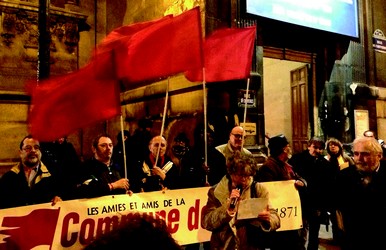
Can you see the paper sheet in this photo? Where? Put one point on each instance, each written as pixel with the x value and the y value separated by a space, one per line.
pixel 251 208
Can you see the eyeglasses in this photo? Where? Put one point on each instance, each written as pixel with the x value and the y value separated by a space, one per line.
pixel 29 148
pixel 237 136
pixel 105 145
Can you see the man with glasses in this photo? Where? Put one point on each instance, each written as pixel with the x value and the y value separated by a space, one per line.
pixel 98 175
pixel 29 182
pixel 235 143
pixel 361 192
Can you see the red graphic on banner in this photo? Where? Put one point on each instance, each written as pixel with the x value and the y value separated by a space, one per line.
pixel 38 226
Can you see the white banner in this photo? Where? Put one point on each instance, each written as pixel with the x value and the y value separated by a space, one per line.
pixel 73 224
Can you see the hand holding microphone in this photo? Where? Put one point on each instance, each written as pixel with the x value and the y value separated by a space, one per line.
pixel 235 195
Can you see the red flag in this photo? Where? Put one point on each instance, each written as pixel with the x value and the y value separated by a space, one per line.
pixel 227 55
pixel 162 49
pixel 120 36
pixel 29 231
pixel 61 105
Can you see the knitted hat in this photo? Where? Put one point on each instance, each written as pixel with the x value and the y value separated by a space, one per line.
pixel 276 144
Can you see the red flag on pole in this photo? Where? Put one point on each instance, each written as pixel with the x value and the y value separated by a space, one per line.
pixel 120 36
pixel 227 55
pixel 61 105
pixel 162 49
pixel 139 52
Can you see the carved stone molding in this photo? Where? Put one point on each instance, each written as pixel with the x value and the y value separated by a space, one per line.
pixel 20 20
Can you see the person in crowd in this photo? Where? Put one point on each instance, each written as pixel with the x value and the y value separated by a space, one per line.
pixel 220 213
pixel 204 174
pixel 197 173
pixel 276 168
pixel 361 192
pixel 235 143
pixel 261 155
pixel 221 114
pixel 339 161
pixel 157 171
pixel 139 142
pixel 141 231
pixel 336 154
pixel 316 201
pixel 98 176
pixel 370 133
pixel 62 161
pixel 29 182
pixel 180 149
pixel 119 155
pixel 180 155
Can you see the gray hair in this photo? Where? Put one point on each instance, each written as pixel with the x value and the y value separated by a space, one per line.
pixel 371 142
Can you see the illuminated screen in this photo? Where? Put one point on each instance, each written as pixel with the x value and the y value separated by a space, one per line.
pixel 337 16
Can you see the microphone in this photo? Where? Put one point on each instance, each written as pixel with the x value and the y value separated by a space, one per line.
pixel 233 203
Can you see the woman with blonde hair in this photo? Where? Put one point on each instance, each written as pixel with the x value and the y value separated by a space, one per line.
pixel 339 161
pixel 336 155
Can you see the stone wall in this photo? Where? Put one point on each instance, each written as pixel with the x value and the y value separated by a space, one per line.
pixel 19 61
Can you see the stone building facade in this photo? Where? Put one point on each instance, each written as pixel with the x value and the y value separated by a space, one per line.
pixel 77 26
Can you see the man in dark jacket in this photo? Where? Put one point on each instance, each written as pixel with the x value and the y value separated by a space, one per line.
pixel 157 171
pixel 276 168
pixel 29 182
pixel 62 161
pixel 98 176
pixel 201 173
pixel 361 196
pixel 319 174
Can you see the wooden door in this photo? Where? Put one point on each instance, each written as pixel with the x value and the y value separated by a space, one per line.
pixel 299 108
pixel 303 94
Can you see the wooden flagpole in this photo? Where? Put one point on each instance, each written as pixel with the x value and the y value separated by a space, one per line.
pixel 245 111
pixel 205 125
pixel 163 117
pixel 123 146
